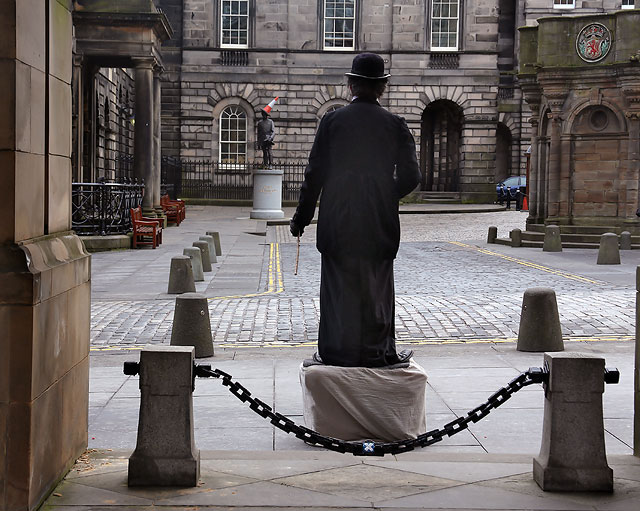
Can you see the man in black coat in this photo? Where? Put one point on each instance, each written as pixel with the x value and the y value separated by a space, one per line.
pixel 363 160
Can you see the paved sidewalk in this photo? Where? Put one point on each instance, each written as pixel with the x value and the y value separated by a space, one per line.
pixel 458 307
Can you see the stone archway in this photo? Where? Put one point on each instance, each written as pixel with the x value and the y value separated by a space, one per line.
pixel 441 134
pixel 503 152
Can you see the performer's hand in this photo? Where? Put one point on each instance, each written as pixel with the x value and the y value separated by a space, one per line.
pixel 295 229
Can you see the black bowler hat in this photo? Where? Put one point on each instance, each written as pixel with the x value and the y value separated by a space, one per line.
pixel 368 65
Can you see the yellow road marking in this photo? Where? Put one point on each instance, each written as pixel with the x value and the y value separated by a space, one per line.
pixel 535 266
pixel 275 283
pixel 408 342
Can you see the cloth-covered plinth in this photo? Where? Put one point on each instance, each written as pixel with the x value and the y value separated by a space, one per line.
pixel 362 403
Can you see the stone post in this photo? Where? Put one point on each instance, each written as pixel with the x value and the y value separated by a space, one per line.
pixel 572 455
pixel 165 453
pixel 157 144
pixel 552 239
pixel 143 135
pixel 45 292
pixel 553 197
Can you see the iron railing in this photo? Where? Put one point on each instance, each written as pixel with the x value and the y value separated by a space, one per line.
pixel 203 179
pixel 103 208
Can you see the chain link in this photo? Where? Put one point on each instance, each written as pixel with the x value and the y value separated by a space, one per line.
pixel 371 448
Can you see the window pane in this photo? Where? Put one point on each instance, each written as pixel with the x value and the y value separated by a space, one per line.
pixel 234 22
pixel 339 23
pixel 444 24
pixel 233 135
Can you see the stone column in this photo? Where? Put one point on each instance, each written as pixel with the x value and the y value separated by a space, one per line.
pixel 157 145
pixel 143 135
pixel 636 376
pixel 555 101
pixel 45 293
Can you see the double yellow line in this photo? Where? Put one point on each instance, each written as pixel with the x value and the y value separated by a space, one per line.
pixel 275 283
pixel 529 264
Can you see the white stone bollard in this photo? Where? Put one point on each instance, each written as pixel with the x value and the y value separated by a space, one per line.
pixel 267 194
pixel 165 453
pixel 572 455
pixel 625 240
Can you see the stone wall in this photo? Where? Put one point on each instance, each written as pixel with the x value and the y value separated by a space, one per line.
pixel 44 270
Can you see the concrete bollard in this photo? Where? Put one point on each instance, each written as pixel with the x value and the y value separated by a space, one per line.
pixel 195 255
pixel 516 238
pixel 625 240
pixel 636 371
pixel 216 241
pixel 212 248
pixel 191 325
pixel 181 276
pixel 492 235
pixel 206 259
pixel 572 455
pixel 539 321
pixel 552 240
pixel 609 251
pixel 165 453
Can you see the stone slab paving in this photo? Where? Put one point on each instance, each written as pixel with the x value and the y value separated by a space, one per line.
pixel 322 481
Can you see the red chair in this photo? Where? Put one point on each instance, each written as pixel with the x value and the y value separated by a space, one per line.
pixel 146 231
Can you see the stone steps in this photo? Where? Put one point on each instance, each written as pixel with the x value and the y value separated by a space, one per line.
pixel 438 197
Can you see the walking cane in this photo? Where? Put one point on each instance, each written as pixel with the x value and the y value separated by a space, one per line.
pixel 297 256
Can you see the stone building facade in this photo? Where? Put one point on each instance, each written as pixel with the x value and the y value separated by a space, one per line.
pixel 453 65
pixel 585 102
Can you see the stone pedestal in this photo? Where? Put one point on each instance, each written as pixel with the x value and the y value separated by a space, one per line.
pixel 165 453
pixel 360 403
pixel 572 456
pixel 267 194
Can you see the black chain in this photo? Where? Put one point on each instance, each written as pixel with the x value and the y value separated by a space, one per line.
pixel 371 448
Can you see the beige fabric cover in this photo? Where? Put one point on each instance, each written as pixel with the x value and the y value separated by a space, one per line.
pixel 360 403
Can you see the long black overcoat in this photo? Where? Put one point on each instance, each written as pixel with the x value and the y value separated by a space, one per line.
pixel 363 161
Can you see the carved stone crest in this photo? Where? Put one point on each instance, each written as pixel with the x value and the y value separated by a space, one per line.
pixel 593 42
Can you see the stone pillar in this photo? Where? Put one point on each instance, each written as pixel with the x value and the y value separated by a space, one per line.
pixel 157 145
pixel 143 136
pixel 44 271
pixel 555 101
pixel 572 455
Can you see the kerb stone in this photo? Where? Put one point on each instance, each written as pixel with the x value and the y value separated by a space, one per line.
pixel 572 455
pixel 540 328
pixel 165 453
pixel 609 251
pixel 206 258
pixel 181 276
pixel 191 325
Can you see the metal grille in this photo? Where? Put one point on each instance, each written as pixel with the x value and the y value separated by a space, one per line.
pixel 234 58
pixel 444 61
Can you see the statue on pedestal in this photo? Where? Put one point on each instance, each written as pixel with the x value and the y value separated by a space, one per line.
pixel 266 134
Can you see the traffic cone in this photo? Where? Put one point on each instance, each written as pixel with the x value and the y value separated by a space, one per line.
pixel 270 106
pixel 525 204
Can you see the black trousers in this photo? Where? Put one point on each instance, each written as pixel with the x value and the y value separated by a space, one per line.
pixel 357 311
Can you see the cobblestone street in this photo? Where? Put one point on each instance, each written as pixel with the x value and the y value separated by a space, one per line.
pixel 450 287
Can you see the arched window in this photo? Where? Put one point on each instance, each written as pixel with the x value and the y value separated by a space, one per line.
pixel 233 135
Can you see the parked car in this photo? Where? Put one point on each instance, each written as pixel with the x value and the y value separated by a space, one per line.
pixel 511 185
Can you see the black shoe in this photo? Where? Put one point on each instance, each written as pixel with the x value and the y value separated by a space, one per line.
pixel 405 355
